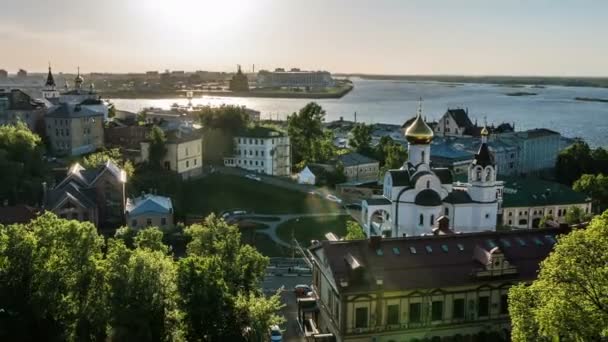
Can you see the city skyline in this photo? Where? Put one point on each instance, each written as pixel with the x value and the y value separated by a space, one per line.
pixel 387 37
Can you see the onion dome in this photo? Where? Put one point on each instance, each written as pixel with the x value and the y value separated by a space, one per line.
pixel 484 131
pixel 419 132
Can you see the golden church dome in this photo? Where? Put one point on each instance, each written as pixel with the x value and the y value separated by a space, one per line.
pixel 419 132
pixel 484 131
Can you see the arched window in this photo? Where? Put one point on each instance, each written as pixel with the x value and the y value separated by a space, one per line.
pixel 478 174
pixel 489 175
pixel 421 222
pixel 432 220
pixel 428 184
pixel 446 211
pixel 422 157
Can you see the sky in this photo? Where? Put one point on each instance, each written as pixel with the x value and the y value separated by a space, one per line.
pixel 460 37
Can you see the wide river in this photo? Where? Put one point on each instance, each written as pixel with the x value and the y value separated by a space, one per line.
pixel 382 101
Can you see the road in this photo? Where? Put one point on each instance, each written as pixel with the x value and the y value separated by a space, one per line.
pixel 290 311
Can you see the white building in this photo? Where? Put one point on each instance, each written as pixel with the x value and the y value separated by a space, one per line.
pixel 149 210
pixel 184 152
pixel 416 195
pixel 294 78
pixel 263 150
pixel 78 95
pixel 306 176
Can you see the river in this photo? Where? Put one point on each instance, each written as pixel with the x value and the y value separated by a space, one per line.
pixel 387 101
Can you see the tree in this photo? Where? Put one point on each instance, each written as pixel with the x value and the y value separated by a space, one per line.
pixel 93 160
pixel 228 118
pixel 361 138
pixel 111 110
pixel 354 231
pixel 158 149
pixel 596 187
pixel 22 168
pixel 575 215
pixel 57 293
pixel 572 162
pixel 308 140
pixel 218 273
pixel 569 300
pixel 543 221
pixel 142 293
pixel 150 238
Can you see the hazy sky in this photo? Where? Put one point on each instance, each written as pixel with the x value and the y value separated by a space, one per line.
pixel 514 37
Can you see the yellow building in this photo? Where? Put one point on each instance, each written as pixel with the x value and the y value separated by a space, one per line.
pixel 428 287
pixel 74 129
pixel 149 210
pixel 184 152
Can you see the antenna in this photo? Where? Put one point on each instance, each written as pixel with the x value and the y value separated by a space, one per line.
pixel 419 107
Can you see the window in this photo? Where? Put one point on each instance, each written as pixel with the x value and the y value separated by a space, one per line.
pixel 444 248
pixel 412 250
pixel 446 211
pixel 437 311
pixel 510 222
pixel 428 184
pixel 168 165
pixel 231 161
pixel 134 223
pixel 379 252
pixel 523 222
pixel 483 306
pixel 422 157
pixel 504 304
pixel 415 312
pixel 458 308
pixel 149 222
pixel 187 163
pixel 163 221
pixel 396 251
pixel 432 220
pixel 429 249
pixel 361 318
pixel 460 247
pixel 392 314
pixel 421 220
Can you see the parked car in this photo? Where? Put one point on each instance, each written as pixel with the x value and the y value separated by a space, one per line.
pixel 275 334
pixel 302 290
pixel 334 198
pixel 253 177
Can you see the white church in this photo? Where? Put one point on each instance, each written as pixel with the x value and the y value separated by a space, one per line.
pixel 417 197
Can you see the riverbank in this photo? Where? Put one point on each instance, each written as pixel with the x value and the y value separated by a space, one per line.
pixel 591 99
pixel 517 81
pixel 329 93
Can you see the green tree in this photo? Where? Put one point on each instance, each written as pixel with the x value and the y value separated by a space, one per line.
pixel 575 215
pixel 354 231
pixel 596 187
pixel 569 300
pixel 58 290
pixel 600 160
pixel 228 118
pixel 361 138
pixel 142 293
pixel 95 159
pixel 150 238
pixel 305 130
pixel 543 221
pixel 22 168
pixel 218 272
pixel 158 148
pixel 572 162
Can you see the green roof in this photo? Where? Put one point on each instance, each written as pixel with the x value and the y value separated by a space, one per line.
pixel 260 132
pixel 531 192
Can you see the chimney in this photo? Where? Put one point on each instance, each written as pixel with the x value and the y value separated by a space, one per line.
pixel 374 241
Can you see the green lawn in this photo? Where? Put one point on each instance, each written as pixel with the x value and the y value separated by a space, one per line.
pixel 313 228
pixel 264 244
pixel 217 193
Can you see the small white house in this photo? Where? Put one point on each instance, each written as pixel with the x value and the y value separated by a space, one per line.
pixel 149 210
pixel 306 177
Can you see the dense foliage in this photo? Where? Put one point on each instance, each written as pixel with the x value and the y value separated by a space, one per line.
pixel 579 159
pixel 569 300
pixel 310 143
pixel 361 139
pixel 101 157
pixel 596 187
pixel 158 148
pixel 225 117
pixel 22 169
pixel 56 283
pixel 390 154
pixel 354 231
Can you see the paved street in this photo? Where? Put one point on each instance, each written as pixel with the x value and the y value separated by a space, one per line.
pixel 290 311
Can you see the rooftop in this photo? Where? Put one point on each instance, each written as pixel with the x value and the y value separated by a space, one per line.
pixel 530 192
pixel 354 158
pixel 432 262
pixel 71 110
pixel 149 203
pixel 260 132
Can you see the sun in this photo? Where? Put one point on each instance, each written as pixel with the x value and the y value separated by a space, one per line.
pixel 196 16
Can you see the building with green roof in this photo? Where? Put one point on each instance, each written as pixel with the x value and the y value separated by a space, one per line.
pixel 527 200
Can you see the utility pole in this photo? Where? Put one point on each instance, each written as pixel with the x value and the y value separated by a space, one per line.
pixel 355 117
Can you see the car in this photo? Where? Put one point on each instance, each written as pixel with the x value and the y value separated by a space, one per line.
pixel 275 334
pixel 301 290
pixel 253 177
pixel 333 198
